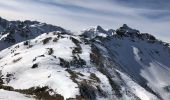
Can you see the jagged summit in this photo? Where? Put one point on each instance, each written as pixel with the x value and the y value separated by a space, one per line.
pixel 124 31
pixel 98 31
pixel 97 65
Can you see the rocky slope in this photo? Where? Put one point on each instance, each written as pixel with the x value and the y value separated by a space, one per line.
pixel 12 32
pixel 99 64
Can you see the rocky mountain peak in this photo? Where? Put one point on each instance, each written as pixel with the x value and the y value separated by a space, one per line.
pixel 125 26
pixel 100 29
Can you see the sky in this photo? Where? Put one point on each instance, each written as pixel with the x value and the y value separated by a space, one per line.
pixel 148 16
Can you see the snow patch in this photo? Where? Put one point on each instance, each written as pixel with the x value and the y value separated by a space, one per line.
pixel 10 95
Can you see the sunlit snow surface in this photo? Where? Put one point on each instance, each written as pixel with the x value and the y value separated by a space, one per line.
pixel 25 77
pixel 10 95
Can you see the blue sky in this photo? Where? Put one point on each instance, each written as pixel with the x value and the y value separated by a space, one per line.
pixel 152 16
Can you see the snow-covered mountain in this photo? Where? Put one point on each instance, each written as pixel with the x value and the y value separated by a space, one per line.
pixel 99 64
